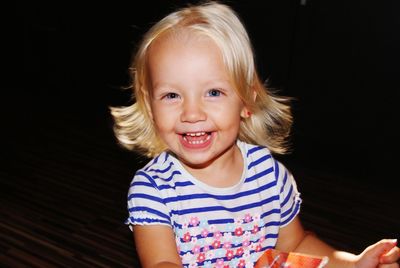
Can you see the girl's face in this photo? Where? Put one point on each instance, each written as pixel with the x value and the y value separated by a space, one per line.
pixel 195 108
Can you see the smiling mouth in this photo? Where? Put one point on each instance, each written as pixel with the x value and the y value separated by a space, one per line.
pixel 196 138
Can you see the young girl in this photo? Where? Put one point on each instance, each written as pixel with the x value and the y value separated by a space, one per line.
pixel 213 195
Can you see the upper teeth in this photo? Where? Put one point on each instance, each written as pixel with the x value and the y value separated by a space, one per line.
pixel 196 134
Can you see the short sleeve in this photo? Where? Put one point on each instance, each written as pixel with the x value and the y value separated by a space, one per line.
pixel 145 203
pixel 289 196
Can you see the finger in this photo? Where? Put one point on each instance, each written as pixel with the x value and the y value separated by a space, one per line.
pixel 380 248
pixel 391 256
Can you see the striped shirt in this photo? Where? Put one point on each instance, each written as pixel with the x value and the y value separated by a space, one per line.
pixel 216 227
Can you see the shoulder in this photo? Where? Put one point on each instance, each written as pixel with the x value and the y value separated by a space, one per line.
pixel 252 149
pixel 261 160
pixel 160 164
pixel 159 171
pixel 255 155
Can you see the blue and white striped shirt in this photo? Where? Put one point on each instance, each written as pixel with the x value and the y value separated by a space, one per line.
pixel 216 226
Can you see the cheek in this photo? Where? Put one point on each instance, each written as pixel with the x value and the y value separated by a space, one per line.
pixel 159 123
pixel 163 124
pixel 227 117
pixel 155 113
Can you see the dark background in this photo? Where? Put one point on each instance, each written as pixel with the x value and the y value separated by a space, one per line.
pixel 339 59
pixel 66 64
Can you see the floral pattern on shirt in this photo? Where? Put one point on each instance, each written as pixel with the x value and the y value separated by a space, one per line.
pixel 236 244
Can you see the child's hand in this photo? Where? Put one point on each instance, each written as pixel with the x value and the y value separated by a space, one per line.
pixel 383 254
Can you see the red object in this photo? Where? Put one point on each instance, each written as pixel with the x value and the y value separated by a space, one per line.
pixel 272 258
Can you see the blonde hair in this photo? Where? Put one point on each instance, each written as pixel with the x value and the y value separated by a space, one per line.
pixel 270 121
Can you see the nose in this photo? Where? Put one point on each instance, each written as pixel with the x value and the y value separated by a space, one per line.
pixel 193 111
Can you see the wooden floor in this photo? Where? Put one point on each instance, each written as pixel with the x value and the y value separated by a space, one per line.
pixel 63 195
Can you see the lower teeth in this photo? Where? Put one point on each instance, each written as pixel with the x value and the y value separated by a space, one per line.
pixel 198 141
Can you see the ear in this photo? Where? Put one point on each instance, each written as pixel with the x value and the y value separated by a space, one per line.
pixel 245 113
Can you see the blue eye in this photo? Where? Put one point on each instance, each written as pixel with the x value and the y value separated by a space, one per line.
pixel 171 95
pixel 214 93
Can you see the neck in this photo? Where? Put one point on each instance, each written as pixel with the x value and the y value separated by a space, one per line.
pixel 225 171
